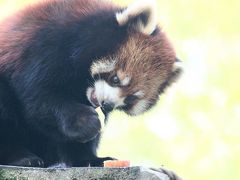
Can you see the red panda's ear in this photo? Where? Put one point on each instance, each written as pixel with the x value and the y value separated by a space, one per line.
pixel 174 75
pixel 141 15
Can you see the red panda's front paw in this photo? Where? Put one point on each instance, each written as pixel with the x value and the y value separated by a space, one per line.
pixel 81 124
pixel 32 161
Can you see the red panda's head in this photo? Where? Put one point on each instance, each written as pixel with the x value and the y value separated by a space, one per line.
pixel 134 76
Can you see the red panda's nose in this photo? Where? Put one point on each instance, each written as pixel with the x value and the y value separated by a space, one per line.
pixel 107 107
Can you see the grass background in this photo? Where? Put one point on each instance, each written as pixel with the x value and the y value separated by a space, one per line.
pixel 195 127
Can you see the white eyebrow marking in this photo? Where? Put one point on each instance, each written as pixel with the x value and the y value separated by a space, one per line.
pixel 102 66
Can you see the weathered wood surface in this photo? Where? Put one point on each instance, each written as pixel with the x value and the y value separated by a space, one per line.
pixel 87 173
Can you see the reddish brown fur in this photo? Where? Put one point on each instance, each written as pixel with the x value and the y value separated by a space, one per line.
pixel 147 60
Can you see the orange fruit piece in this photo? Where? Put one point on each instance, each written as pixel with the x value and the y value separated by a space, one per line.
pixel 116 163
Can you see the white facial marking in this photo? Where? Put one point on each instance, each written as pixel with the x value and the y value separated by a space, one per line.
pixel 102 66
pixel 139 94
pixel 126 81
pixel 137 8
pixel 139 108
pixel 107 93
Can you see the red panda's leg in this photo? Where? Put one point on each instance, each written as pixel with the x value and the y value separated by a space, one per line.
pixel 12 151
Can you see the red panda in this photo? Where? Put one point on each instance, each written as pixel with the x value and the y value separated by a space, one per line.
pixel 59 60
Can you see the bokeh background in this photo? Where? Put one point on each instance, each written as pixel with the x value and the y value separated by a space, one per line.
pixel 195 128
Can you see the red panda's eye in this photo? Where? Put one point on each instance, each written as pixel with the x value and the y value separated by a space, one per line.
pixel 115 80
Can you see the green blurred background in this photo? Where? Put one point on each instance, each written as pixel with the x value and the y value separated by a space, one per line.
pixel 195 128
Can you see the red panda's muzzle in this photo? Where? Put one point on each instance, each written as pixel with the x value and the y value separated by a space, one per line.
pixel 94 99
